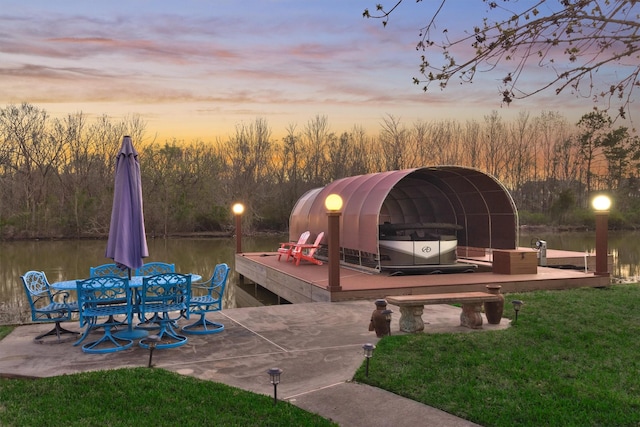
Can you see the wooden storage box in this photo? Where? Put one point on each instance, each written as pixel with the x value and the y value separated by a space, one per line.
pixel 515 262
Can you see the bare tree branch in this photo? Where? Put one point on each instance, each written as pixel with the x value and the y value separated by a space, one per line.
pixel 574 42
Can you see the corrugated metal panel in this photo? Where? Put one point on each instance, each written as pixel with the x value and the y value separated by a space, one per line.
pixel 299 218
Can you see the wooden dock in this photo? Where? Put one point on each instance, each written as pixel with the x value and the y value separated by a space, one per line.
pixel 308 282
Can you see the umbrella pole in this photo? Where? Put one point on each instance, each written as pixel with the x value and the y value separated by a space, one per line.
pixel 131 333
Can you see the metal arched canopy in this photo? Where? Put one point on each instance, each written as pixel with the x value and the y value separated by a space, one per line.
pixel 476 205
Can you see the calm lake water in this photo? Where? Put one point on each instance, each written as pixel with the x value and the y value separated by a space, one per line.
pixel 71 259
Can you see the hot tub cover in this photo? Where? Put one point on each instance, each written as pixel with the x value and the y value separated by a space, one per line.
pixel 475 201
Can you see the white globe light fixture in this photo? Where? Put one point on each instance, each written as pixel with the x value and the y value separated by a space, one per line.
pixel 238 209
pixel 601 203
pixel 333 203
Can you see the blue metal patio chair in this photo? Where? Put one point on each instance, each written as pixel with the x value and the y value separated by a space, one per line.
pixel 103 296
pixel 48 307
pixel 108 270
pixel 153 268
pixel 209 302
pixel 168 295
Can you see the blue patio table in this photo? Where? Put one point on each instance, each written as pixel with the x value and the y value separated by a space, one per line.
pixel 134 283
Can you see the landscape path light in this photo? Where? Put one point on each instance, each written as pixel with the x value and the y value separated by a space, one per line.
pixel 153 341
pixel 368 354
pixel 517 305
pixel 274 377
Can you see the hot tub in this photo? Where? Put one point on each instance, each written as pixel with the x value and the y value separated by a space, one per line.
pixel 417 246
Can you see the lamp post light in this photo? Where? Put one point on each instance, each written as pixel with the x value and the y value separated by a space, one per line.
pixel 517 305
pixel 274 377
pixel 368 354
pixel 238 210
pixel 333 203
pixel 601 204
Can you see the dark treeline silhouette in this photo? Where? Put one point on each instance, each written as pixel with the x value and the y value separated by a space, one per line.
pixel 56 175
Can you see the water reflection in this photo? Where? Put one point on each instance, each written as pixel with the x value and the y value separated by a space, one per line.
pixel 624 246
pixel 71 259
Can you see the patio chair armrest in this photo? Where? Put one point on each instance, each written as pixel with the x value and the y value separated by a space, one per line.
pixel 65 296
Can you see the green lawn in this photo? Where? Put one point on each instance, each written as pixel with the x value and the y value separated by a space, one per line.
pixel 5 330
pixel 572 359
pixel 140 397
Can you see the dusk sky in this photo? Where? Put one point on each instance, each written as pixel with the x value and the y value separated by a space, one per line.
pixel 197 68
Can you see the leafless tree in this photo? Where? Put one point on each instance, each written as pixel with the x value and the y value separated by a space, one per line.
pixel 494 141
pixel 393 140
pixel 248 156
pixel 471 147
pixel 315 145
pixel 35 157
pixel 362 144
pixel 523 134
pixel 445 142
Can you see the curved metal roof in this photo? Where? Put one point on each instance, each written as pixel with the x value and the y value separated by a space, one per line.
pixel 478 203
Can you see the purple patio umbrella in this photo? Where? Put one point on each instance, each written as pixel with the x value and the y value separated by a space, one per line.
pixel 127 244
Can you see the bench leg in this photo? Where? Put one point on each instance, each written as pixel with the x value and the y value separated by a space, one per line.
pixel 411 318
pixel 471 316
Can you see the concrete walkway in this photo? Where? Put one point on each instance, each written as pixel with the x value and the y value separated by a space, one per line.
pixel 317 345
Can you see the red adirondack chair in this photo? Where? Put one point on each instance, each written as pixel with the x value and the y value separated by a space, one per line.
pixel 290 248
pixel 306 252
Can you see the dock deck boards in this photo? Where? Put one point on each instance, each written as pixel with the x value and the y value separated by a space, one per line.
pixel 308 282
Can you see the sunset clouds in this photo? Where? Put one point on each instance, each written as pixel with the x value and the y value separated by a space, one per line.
pixel 195 69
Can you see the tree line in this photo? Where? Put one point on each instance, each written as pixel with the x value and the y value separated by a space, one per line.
pixel 56 174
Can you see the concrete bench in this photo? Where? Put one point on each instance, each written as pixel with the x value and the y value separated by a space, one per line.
pixel 412 307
